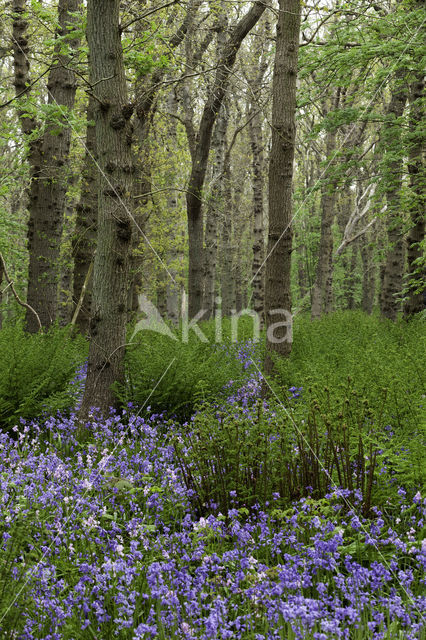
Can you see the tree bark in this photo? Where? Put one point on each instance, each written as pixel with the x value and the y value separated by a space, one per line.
pixel 162 298
pixel 258 162
pixel 22 83
pixel 172 287
pixel 175 254
pixel 227 281
pixel 350 278
pixel 215 211
pixel 278 264
pixel 142 187
pixel 391 139
pixel 111 265
pixel 50 178
pixel 348 258
pixel 302 278
pixel 216 200
pixel 415 258
pixel 233 284
pixel 322 294
pixel 84 240
pixel 201 154
pixel 146 90
pixel 1 295
pixel 255 80
pixel 368 274
pixel 65 293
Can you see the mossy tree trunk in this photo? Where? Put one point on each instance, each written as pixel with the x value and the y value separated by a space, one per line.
pixel 393 166
pixel 49 159
pixel 84 240
pixel 416 169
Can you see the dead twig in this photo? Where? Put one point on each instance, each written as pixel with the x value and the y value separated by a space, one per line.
pixel 18 299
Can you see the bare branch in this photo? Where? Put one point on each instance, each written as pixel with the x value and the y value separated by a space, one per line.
pixel 345 243
pixel 146 14
pixel 18 299
pixel 27 88
pixel 83 291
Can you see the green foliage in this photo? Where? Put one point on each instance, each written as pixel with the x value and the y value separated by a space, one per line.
pixel 377 354
pixel 371 363
pixel 174 376
pixel 355 424
pixel 36 371
pixel 293 451
pixel 230 453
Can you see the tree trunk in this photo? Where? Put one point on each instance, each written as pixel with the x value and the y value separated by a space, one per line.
pixel 215 211
pixel 50 179
pixel 256 140
pixel 173 288
pixel 22 83
pixel 255 78
pixel 227 283
pixel 84 241
pixel 175 257
pixel 142 187
pixel 201 154
pixel 302 278
pixel 162 298
pixel 391 140
pixel 174 262
pixel 368 273
pixel 113 142
pixel 350 277
pixel 322 294
pixel 278 264
pixel 416 272
pixel 1 295
pixel 146 90
pixel 65 305
pixel 234 288
pixel 322 290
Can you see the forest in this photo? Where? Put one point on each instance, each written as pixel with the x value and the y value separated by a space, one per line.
pixel 212 320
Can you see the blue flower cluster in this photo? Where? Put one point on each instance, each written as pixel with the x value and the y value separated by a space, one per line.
pixel 101 541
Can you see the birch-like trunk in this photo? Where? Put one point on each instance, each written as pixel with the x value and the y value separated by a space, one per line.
pixel 302 278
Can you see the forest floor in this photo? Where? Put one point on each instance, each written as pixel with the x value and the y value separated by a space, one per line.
pixel 297 516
